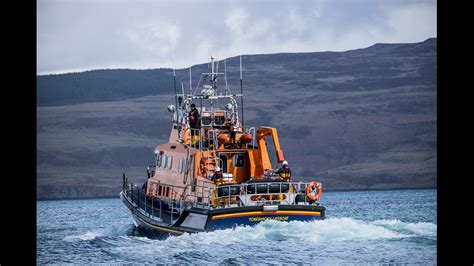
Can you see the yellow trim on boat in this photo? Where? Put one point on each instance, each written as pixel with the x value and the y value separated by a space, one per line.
pixel 162 228
pixel 242 214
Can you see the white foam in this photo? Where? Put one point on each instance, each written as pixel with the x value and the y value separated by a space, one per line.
pixel 89 235
pixel 420 229
pixel 322 231
pixel 269 237
pixel 328 230
pixel 113 231
pixel 339 229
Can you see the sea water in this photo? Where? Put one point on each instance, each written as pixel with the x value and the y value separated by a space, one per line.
pixel 393 226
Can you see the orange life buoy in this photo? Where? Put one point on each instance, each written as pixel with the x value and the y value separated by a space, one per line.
pixel 256 197
pixel 310 192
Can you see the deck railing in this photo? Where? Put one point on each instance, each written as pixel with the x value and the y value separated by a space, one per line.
pixel 263 193
pixel 207 138
pixel 248 194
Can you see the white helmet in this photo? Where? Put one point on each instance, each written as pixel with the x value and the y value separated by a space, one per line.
pixel 284 163
pixel 217 168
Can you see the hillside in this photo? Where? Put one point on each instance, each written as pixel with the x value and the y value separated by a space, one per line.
pixel 101 86
pixel 360 119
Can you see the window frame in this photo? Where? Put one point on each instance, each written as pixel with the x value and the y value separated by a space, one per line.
pixel 169 162
pixel 234 160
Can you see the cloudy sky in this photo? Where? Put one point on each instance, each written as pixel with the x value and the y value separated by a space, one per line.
pixel 79 35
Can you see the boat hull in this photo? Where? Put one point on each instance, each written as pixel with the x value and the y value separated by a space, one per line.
pixel 243 217
pixel 193 220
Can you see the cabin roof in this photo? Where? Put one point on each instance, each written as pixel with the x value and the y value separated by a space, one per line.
pixel 175 147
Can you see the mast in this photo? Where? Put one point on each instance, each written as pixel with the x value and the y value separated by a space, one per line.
pixel 227 90
pixel 174 84
pixel 225 77
pixel 189 55
pixel 241 87
pixel 213 78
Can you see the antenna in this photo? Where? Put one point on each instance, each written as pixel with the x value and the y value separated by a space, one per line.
pixel 225 72
pixel 189 55
pixel 241 86
pixel 208 56
pixel 174 80
pixel 225 76
pixel 212 66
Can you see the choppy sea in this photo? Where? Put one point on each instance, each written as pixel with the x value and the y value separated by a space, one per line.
pixel 393 226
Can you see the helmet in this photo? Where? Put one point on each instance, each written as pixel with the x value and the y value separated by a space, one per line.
pixel 285 163
pixel 217 168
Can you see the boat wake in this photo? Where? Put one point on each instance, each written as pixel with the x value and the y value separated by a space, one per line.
pixel 328 230
pixel 99 233
pixel 270 237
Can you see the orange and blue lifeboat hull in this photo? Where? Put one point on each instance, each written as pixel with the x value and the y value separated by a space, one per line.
pixel 230 217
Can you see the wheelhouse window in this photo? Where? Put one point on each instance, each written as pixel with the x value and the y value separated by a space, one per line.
pixel 238 160
pixel 164 160
pixel 180 165
pixel 169 162
pixel 219 119
pixel 158 160
pixel 185 165
pixel 206 119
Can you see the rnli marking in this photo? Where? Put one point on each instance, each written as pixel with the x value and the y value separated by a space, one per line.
pixel 260 213
pixel 276 218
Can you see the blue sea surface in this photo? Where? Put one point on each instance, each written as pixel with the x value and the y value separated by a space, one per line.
pixel 392 226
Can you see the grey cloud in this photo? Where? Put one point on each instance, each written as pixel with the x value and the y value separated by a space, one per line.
pixel 83 35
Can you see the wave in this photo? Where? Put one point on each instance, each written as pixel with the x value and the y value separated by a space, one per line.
pixel 421 229
pixel 114 231
pixel 328 230
pixel 275 241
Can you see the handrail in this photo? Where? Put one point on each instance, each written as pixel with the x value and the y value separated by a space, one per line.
pixel 175 205
pixel 208 196
pixel 204 140
pixel 216 159
pixel 250 130
pixel 175 196
pixel 294 188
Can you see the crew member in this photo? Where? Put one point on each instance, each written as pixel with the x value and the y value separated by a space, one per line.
pixel 217 176
pixel 193 119
pixel 284 171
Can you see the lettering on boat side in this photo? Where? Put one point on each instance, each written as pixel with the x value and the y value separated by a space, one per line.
pixel 277 218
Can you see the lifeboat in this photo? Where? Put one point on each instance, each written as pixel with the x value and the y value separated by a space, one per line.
pixel 217 173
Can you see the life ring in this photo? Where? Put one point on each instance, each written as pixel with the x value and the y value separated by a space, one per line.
pixel 256 197
pixel 309 192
